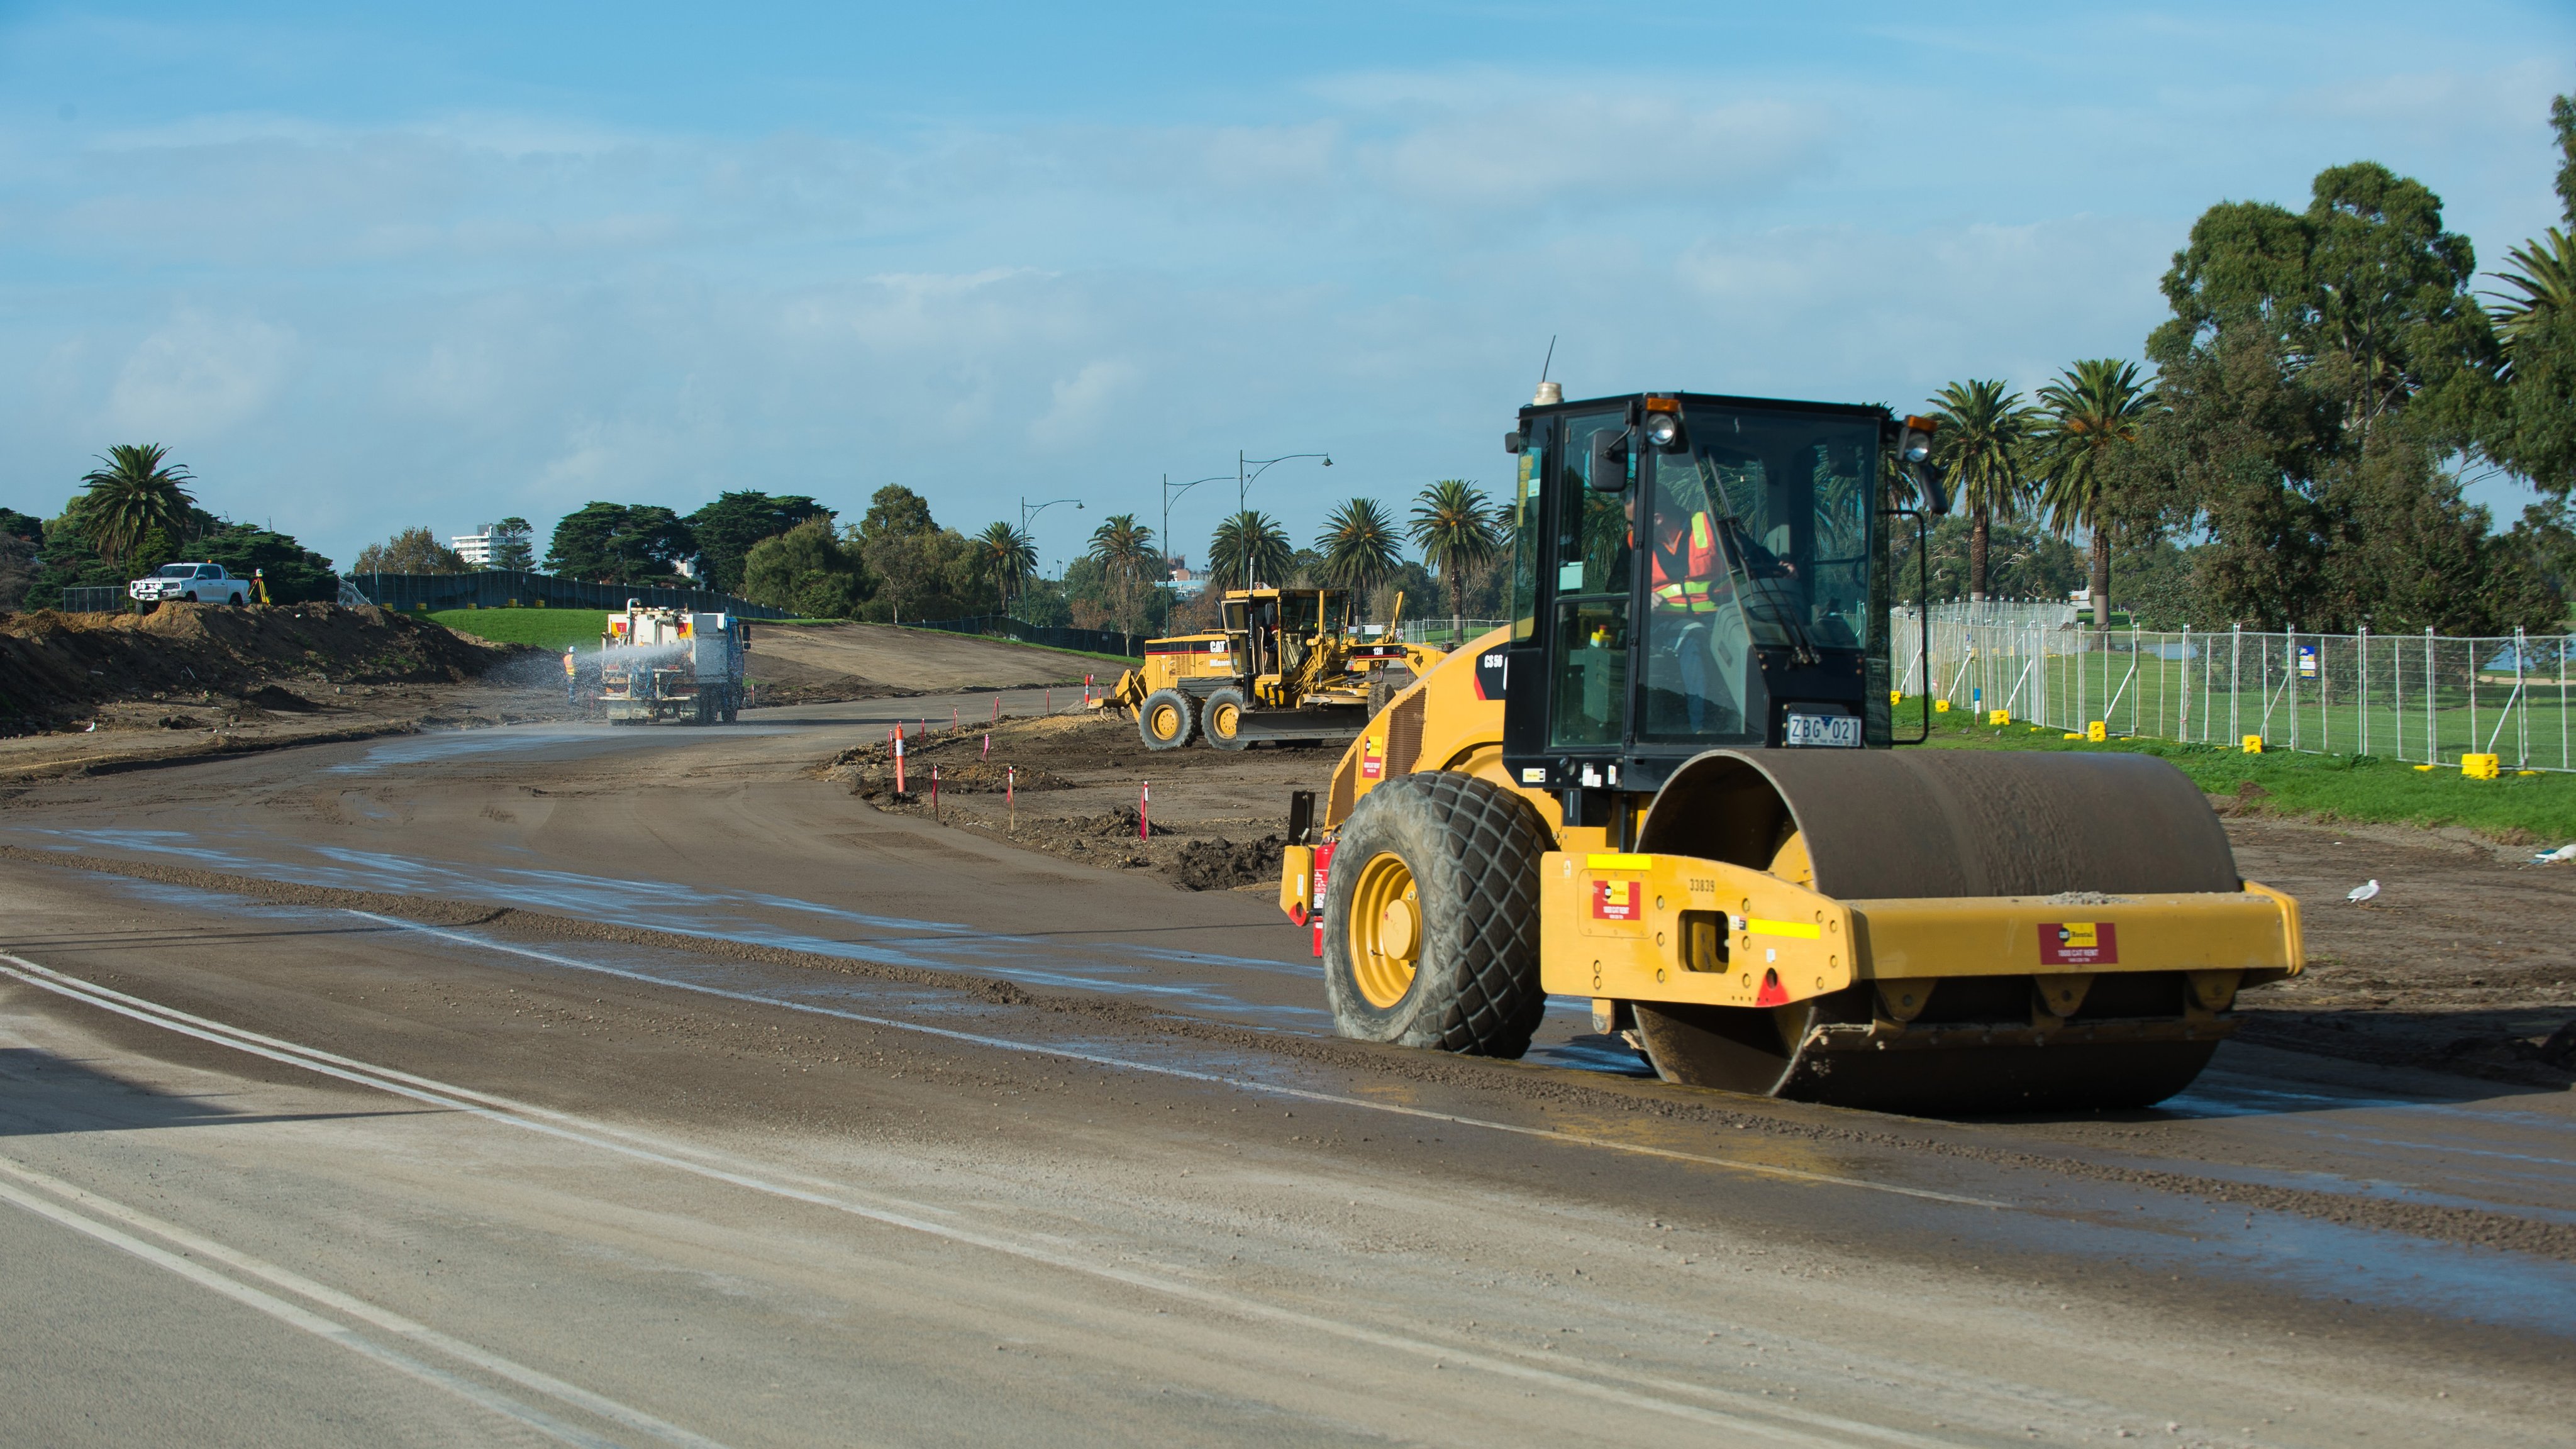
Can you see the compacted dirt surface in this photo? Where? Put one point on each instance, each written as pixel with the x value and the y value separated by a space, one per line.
pixel 557 1083
pixel 829 663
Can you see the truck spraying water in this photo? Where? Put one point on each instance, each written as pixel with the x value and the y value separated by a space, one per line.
pixel 658 664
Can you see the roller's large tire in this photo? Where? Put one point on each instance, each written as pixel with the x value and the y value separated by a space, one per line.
pixel 1431 917
pixel 1167 719
pixel 1221 719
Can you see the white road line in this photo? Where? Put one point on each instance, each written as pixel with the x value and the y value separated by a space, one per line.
pixel 1742 1414
pixel 1242 1083
pixel 312 1323
pixel 202 1247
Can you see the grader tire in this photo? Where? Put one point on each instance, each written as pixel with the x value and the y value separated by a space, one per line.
pixel 1221 720
pixel 1431 917
pixel 1167 719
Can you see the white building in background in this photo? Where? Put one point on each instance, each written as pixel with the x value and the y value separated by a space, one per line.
pixel 475 548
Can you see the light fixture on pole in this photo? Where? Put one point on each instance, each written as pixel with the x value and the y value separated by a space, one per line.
pixel 1243 488
pixel 1028 512
pixel 1171 492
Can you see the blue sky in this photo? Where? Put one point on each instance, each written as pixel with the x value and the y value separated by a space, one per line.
pixel 366 270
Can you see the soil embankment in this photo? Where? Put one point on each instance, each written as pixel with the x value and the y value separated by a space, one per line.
pixel 56 669
pixel 86 693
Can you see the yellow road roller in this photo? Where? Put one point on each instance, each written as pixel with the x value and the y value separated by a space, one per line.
pixel 1674 784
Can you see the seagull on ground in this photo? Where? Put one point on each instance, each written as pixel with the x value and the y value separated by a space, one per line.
pixel 2362 892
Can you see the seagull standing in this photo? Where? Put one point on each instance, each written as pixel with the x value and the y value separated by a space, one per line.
pixel 2362 892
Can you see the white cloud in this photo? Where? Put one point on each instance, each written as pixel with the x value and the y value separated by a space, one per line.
pixel 1549 145
pixel 1080 403
pixel 199 375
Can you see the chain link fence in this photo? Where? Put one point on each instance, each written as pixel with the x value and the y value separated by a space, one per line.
pixel 2420 698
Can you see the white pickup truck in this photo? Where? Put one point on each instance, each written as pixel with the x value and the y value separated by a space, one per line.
pixel 195 583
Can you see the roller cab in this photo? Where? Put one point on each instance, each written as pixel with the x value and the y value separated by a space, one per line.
pixel 1672 786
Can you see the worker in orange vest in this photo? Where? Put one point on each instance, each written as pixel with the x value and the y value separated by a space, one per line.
pixel 1686 562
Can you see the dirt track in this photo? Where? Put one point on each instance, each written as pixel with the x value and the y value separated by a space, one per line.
pixel 822 663
pixel 1110 1094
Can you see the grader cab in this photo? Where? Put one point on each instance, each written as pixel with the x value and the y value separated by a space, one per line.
pixel 1668 786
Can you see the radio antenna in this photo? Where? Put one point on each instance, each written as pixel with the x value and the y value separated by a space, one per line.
pixel 1550 359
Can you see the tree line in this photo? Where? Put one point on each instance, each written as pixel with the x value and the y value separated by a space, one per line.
pixel 898 562
pixel 2326 383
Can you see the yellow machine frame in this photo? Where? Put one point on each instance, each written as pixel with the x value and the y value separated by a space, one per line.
pixel 1626 927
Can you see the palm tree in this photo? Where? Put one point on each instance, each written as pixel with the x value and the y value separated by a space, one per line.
pixel 133 495
pixel 2546 278
pixel 1455 526
pixel 2093 407
pixel 1982 441
pixel 1360 548
pixel 1008 555
pixel 1250 545
pixel 1125 551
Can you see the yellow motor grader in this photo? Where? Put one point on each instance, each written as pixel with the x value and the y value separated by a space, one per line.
pixel 1668 786
pixel 1289 667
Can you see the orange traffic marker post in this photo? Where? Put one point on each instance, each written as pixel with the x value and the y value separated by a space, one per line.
pixel 1011 794
pixel 1144 804
pixel 898 762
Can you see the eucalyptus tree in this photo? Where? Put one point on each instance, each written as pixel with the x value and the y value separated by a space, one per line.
pixel 1125 551
pixel 138 491
pixel 1361 547
pixel 1983 444
pixel 2093 408
pixel 1454 524
pixel 1250 545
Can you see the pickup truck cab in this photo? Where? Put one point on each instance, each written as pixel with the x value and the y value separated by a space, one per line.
pixel 194 583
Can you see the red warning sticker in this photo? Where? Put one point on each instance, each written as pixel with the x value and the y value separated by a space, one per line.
pixel 2079 943
pixel 1372 763
pixel 1616 900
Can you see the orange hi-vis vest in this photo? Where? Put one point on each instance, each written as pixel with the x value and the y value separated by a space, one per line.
pixel 1690 592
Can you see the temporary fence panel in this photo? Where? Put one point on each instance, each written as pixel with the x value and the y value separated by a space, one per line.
pixel 106 599
pixel 2419 698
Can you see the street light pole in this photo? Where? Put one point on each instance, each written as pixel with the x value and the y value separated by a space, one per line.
pixel 1027 513
pixel 1243 489
pixel 1170 493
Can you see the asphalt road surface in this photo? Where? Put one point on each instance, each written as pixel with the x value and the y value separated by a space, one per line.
pixel 566 1084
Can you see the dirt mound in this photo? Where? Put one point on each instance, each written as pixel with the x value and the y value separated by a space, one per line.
pixel 1221 864
pixel 964 767
pixel 55 668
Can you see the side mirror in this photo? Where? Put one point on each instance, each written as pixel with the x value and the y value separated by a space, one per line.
pixel 1511 442
pixel 1609 470
pixel 1936 489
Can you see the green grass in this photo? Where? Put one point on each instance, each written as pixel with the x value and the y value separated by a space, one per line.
pixel 555 629
pixel 2520 809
